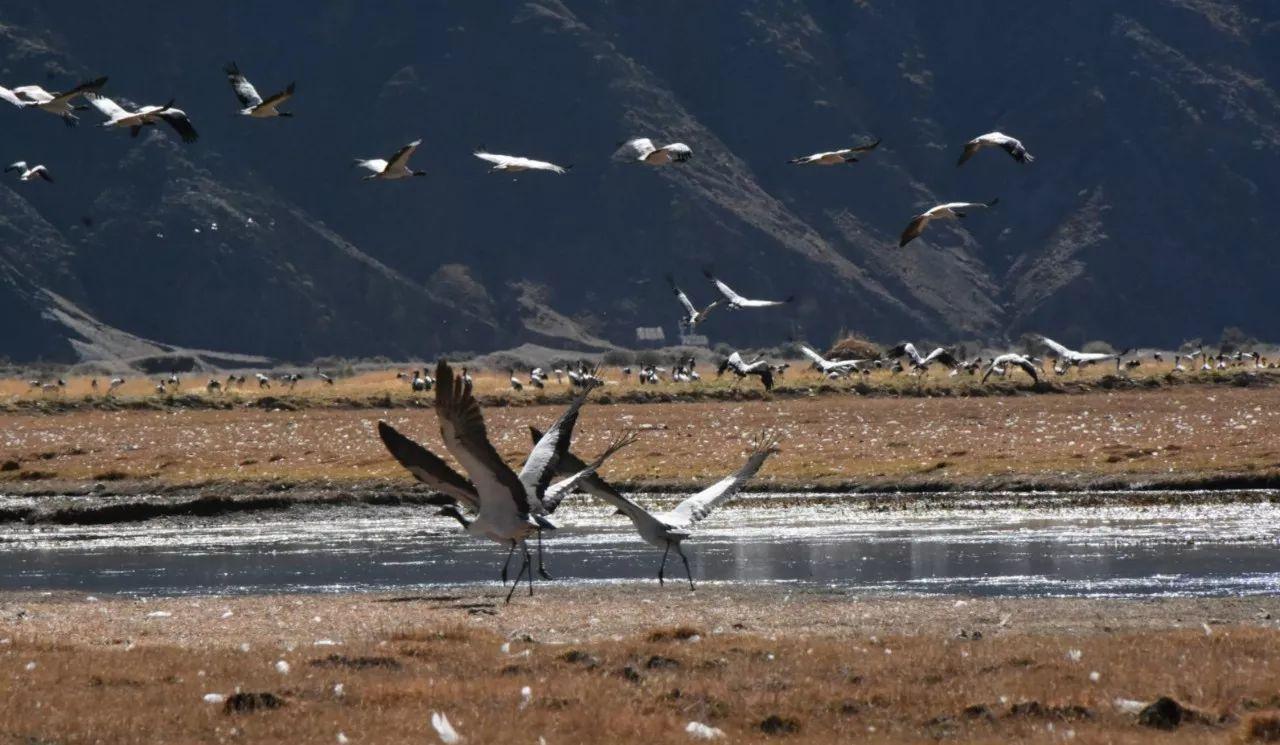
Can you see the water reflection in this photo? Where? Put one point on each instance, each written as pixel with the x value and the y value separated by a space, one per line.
pixel 1094 551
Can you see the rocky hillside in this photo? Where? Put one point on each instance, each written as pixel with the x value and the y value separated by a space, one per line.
pixel 1144 220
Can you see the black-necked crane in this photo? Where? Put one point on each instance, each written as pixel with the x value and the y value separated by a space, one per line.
pixel 213 386
pixel 738 302
pixel 1072 358
pixel 28 173
pixel 1010 145
pixel 667 530
pixel 831 368
pixel 759 368
pixel 517 164
pixel 57 103
pixel 947 211
pixel 642 150
pixel 516 385
pixel 1002 363
pixel 922 362
pixel 397 167
pixel 692 315
pixel 509 507
pixel 835 157
pixel 118 117
pixel 263 380
pixel 114 384
pixel 252 104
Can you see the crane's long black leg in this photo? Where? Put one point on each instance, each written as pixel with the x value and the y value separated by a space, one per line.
pixel 663 565
pixel 687 570
pixel 523 567
pixel 507 563
pixel 542 570
pixel 528 561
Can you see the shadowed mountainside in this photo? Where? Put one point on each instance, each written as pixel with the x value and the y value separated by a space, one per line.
pixel 1156 128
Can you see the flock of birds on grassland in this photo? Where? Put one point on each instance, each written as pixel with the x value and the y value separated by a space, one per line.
pixel 637 150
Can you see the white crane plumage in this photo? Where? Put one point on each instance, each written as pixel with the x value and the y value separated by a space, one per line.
pixel 517 164
pixel 1073 358
pixel 692 316
pixel 741 369
pixel 948 211
pixel 1010 145
pixel 835 157
pixel 666 530
pixel 395 168
pixel 56 103
pixel 252 104
pixel 1003 362
pixel 27 174
pixel 642 150
pixel 738 302
pixel 830 367
pixel 922 362
pixel 134 121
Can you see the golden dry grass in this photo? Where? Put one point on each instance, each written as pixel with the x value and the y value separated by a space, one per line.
pixel 1165 434
pixel 116 671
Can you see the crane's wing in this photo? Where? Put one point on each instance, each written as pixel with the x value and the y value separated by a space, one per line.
pixel 464 433
pixel 700 505
pixel 683 298
pixel 748 303
pixel 428 467
pixel 1016 150
pixel 678 151
pixel 597 487
pixel 971 148
pixel 866 148
pixel 942 356
pixel 85 87
pixel 914 229
pixel 33 94
pixel 401 158
pixel 557 491
pixel 43 173
pixel 637 149
pixel 1030 369
pixel 279 98
pixel 1056 347
pixel 813 356
pixel 494 158
pixel 244 90
pixel 105 106
pixel 11 97
pixel 540 466
pixel 177 118
pixel 733 297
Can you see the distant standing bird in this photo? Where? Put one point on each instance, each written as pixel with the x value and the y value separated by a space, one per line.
pixel 1010 145
pixel 114 384
pixel 27 174
pixel 948 211
pixel 642 150
pixel 253 104
pixel 396 168
pixel 263 380
pixel 516 164
pixel 58 104
pixel 146 116
pixel 835 157
pixel 1001 363
pixel 738 302
pixel 692 316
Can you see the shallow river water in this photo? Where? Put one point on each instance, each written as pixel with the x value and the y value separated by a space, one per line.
pixel 823 542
